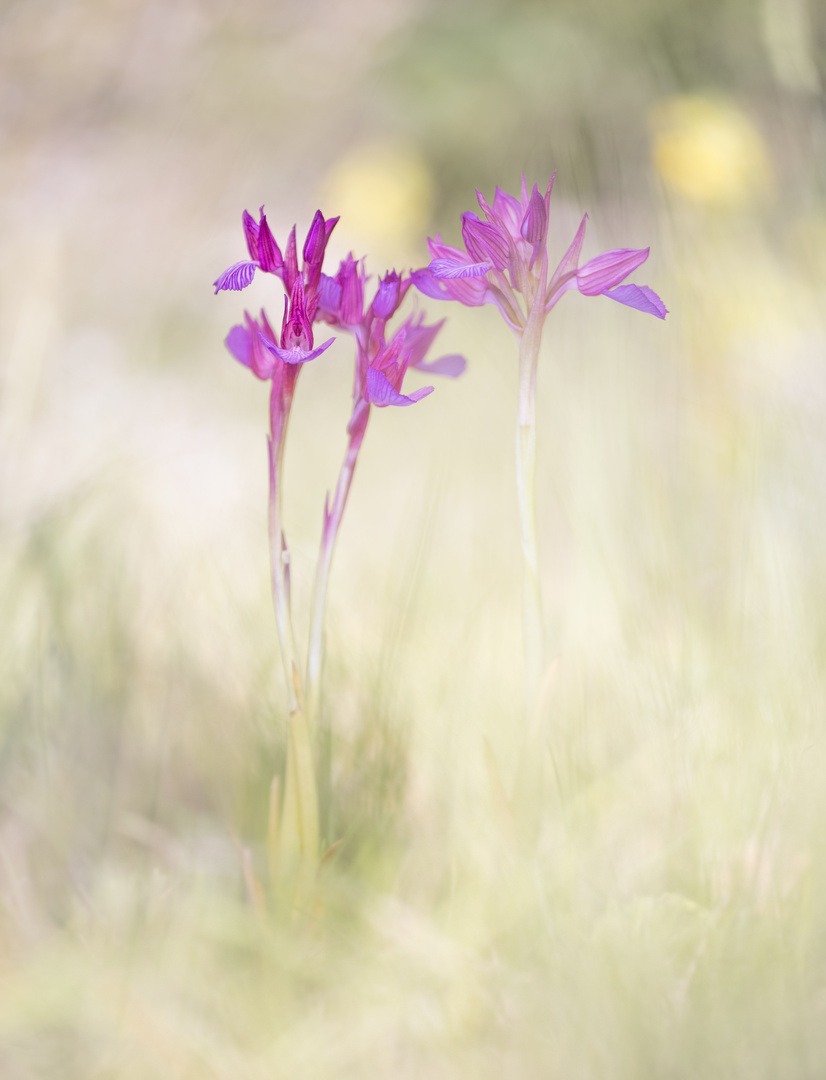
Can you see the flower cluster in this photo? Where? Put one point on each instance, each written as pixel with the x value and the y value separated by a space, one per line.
pixel 382 361
pixel 313 296
pixel 504 262
pixel 506 254
pixel 381 364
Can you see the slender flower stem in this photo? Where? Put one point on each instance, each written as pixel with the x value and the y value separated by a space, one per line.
pixel 279 557
pixel 529 344
pixel 315 653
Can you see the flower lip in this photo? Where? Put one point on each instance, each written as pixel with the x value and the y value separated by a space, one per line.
pixel 453 268
pixel 296 328
pixel 236 277
pixel 640 297
pixel 294 354
pixel 379 391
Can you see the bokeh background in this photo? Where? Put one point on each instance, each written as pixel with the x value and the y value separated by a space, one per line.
pixel 666 915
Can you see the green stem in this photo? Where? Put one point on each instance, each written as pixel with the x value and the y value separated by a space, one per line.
pixel 318 721
pixel 529 344
pixel 279 557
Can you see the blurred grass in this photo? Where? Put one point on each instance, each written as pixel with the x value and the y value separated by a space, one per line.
pixel 652 904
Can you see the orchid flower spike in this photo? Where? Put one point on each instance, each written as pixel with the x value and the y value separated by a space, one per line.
pixel 504 262
pixel 505 256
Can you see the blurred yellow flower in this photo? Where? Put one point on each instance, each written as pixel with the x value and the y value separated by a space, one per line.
pixel 709 152
pixel 384 194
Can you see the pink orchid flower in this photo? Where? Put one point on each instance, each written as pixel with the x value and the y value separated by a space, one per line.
pixel 505 262
pixel 500 257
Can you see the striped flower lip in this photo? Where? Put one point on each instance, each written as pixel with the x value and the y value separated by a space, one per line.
pixel 295 354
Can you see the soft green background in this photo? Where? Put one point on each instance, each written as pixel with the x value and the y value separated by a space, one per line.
pixel 654 903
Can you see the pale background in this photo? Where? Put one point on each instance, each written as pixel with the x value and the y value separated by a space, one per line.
pixel 667 919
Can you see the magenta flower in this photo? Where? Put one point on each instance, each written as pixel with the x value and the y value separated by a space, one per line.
pixel 382 360
pixel 381 365
pixel 265 254
pixel 297 329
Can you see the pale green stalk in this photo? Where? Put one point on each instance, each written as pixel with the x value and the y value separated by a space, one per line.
pixel 279 557
pixel 315 653
pixel 294 832
pixel 530 340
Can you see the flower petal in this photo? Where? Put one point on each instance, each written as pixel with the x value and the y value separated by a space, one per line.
pixel 236 277
pixel 388 296
pixel 295 355
pixel 426 283
pixel 609 269
pixel 471 292
pixel 534 226
pixel 451 366
pixel 379 391
pixel 290 268
pixel 270 258
pixel 485 241
pixel 509 211
pixel 562 276
pixel 640 297
pixel 329 295
pixel 251 233
pixel 239 344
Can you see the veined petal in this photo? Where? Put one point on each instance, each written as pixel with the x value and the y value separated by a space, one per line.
pixel 316 238
pixel 609 269
pixel 236 277
pixel 512 315
pixel 419 337
pixel 251 234
pixel 329 295
pixel 452 268
pixel 567 266
pixel 350 277
pixel 295 355
pixel 534 226
pixel 485 206
pixel 451 366
pixel 640 297
pixel 379 391
pixel 509 211
pixel 548 191
pixel 330 224
pixel 290 262
pixel 440 250
pixel 485 241
pixel 270 258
